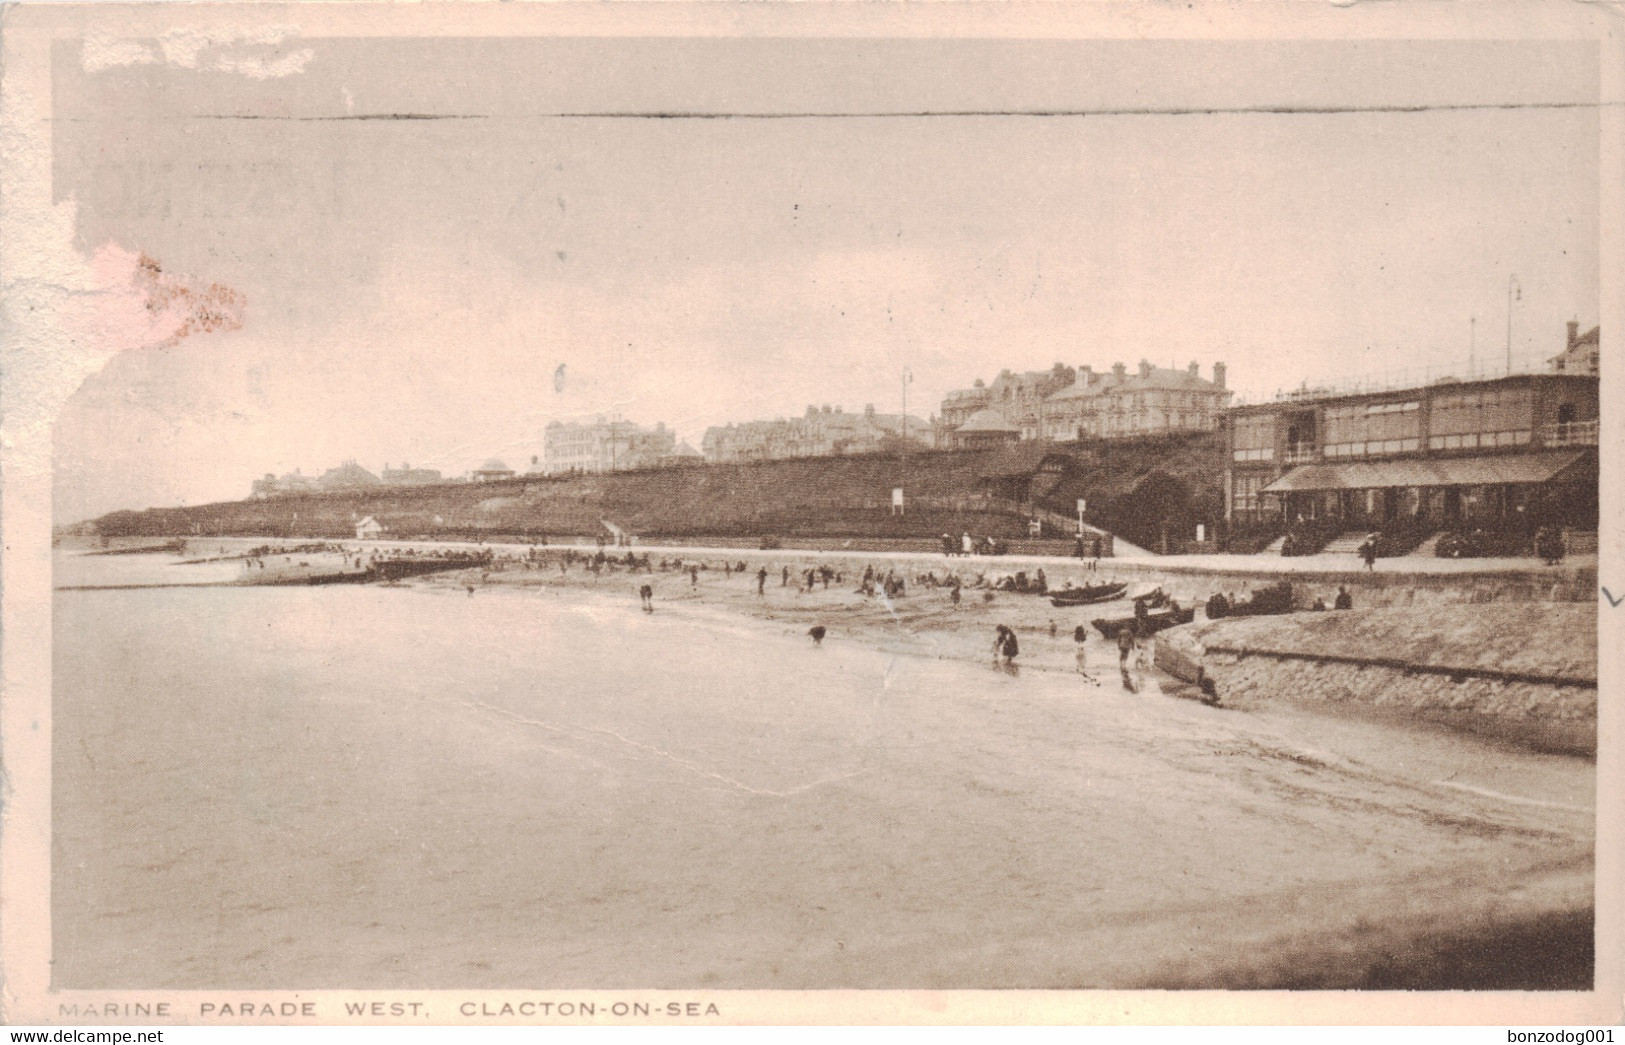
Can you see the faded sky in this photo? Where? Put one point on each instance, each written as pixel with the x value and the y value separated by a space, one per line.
pixel 411 286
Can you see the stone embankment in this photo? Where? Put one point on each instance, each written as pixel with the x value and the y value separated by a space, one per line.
pixel 1524 672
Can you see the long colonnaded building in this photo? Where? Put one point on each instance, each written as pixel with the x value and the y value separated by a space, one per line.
pixel 1504 455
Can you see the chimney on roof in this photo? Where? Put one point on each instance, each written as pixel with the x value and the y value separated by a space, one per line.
pixel 1218 374
pixel 1574 332
pixel 1118 371
pixel 869 410
pixel 1195 370
pixel 812 411
pixel 1145 368
pixel 1086 376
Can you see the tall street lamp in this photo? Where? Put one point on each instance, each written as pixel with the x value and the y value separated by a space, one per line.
pixel 1513 288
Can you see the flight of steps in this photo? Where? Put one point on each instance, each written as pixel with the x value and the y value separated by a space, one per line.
pixel 1428 548
pixel 1274 547
pixel 1346 543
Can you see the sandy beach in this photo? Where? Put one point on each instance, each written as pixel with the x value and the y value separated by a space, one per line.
pixel 538 784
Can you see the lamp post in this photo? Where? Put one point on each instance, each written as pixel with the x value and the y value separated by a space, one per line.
pixel 908 378
pixel 1513 287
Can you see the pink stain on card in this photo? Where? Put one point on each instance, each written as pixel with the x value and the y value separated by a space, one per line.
pixel 192 309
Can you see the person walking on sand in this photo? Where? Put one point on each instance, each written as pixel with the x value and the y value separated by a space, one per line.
pixel 1005 645
pixel 647 594
pixel 693 577
pixel 761 581
pixel 1080 636
pixel 784 578
pixel 817 632
pixel 1126 648
pixel 953 593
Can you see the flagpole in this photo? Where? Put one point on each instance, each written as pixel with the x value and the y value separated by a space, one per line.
pixel 907 377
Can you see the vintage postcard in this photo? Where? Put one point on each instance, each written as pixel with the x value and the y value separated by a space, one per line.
pixel 808 513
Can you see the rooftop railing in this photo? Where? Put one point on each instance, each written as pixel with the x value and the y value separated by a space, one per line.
pixel 1571 433
pixel 1412 377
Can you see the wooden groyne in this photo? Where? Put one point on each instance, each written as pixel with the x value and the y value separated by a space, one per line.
pixel 176 546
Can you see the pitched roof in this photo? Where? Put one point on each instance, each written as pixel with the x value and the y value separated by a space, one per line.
pixel 1077 391
pixel 1453 471
pixel 988 420
pixel 493 465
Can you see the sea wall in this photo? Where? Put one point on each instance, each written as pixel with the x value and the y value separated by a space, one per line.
pixel 1526 673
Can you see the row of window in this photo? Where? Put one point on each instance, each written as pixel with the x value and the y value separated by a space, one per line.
pixel 1482 399
pixel 1379 447
pixel 1253 432
pixel 1472 439
pixel 1372 447
pixel 1342 413
pixel 1366 429
pixel 1244 493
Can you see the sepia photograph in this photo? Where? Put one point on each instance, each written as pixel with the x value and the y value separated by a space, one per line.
pixel 591 513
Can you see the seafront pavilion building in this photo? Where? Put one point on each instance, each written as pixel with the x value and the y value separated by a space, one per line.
pixel 1503 455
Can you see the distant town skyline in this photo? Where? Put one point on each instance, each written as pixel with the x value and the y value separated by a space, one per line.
pixel 439 290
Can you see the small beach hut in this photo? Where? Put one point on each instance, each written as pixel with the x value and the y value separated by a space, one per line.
pixel 368 529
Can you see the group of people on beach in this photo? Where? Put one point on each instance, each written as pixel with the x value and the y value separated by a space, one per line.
pixel 1131 653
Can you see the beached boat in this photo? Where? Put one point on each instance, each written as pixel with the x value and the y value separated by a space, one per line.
pixel 1150 624
pixel 1275 598
pixel 1088 594
pixel 1153 599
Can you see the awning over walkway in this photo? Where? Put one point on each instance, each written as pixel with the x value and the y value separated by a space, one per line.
pixel 1450 471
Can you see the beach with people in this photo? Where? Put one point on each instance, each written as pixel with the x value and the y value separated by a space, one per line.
pixel 527 769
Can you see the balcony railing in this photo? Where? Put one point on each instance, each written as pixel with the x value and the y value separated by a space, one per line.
pixel 1572 433
pixel 1301 454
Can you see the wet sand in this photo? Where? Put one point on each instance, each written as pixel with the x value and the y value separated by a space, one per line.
pixel 540 786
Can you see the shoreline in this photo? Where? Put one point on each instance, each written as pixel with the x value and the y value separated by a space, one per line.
pixel 1544 713
pixel 1006 753
pixel 923 621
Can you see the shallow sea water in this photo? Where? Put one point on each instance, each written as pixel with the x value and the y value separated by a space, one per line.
pixel 412 787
